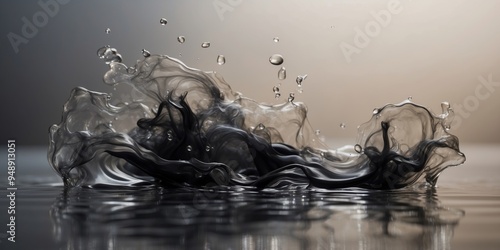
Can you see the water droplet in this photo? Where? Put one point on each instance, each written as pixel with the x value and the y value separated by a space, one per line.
pixel 205 45
pixel 108 30
pixel 180 54
pixel 163 21
pixel 208 148
pixel 277 95
pixel 358 148
pixel 276 39
pixel 276 89
pixel 343 125
pixel 221 59
pixel 317 132
pixel 447 127
pixel 282 73
pixel 300 79
pixel 291 97
pixel 181 39
pixel 145 53
pixel 276 59
pixel 410 98
pixel 102 51
pixel 189 148
pixel 109 54
pixel 300 90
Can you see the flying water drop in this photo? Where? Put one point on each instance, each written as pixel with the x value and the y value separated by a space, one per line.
pixel 343 125
pixel 181 39
pixel 205 45
pixel 163 21
pixel 108 30
pixel 282 73
pixel 276 39
pixel 276 59
pixel 300 79
pixel 276 90
pixel 221 59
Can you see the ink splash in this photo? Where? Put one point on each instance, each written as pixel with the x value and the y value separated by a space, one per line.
pixel 191 129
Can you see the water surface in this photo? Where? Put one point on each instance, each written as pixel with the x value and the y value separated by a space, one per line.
pixel 460 213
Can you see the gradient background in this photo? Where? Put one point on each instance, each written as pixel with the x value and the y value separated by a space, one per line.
pixel 433 51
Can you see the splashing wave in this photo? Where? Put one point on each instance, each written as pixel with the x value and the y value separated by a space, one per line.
pixel 191 129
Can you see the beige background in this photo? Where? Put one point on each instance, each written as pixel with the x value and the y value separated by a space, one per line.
pixel 433 51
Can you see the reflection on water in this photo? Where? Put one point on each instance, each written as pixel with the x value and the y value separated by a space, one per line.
pixel 223 218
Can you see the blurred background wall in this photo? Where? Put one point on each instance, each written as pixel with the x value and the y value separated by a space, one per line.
pixel 358 55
